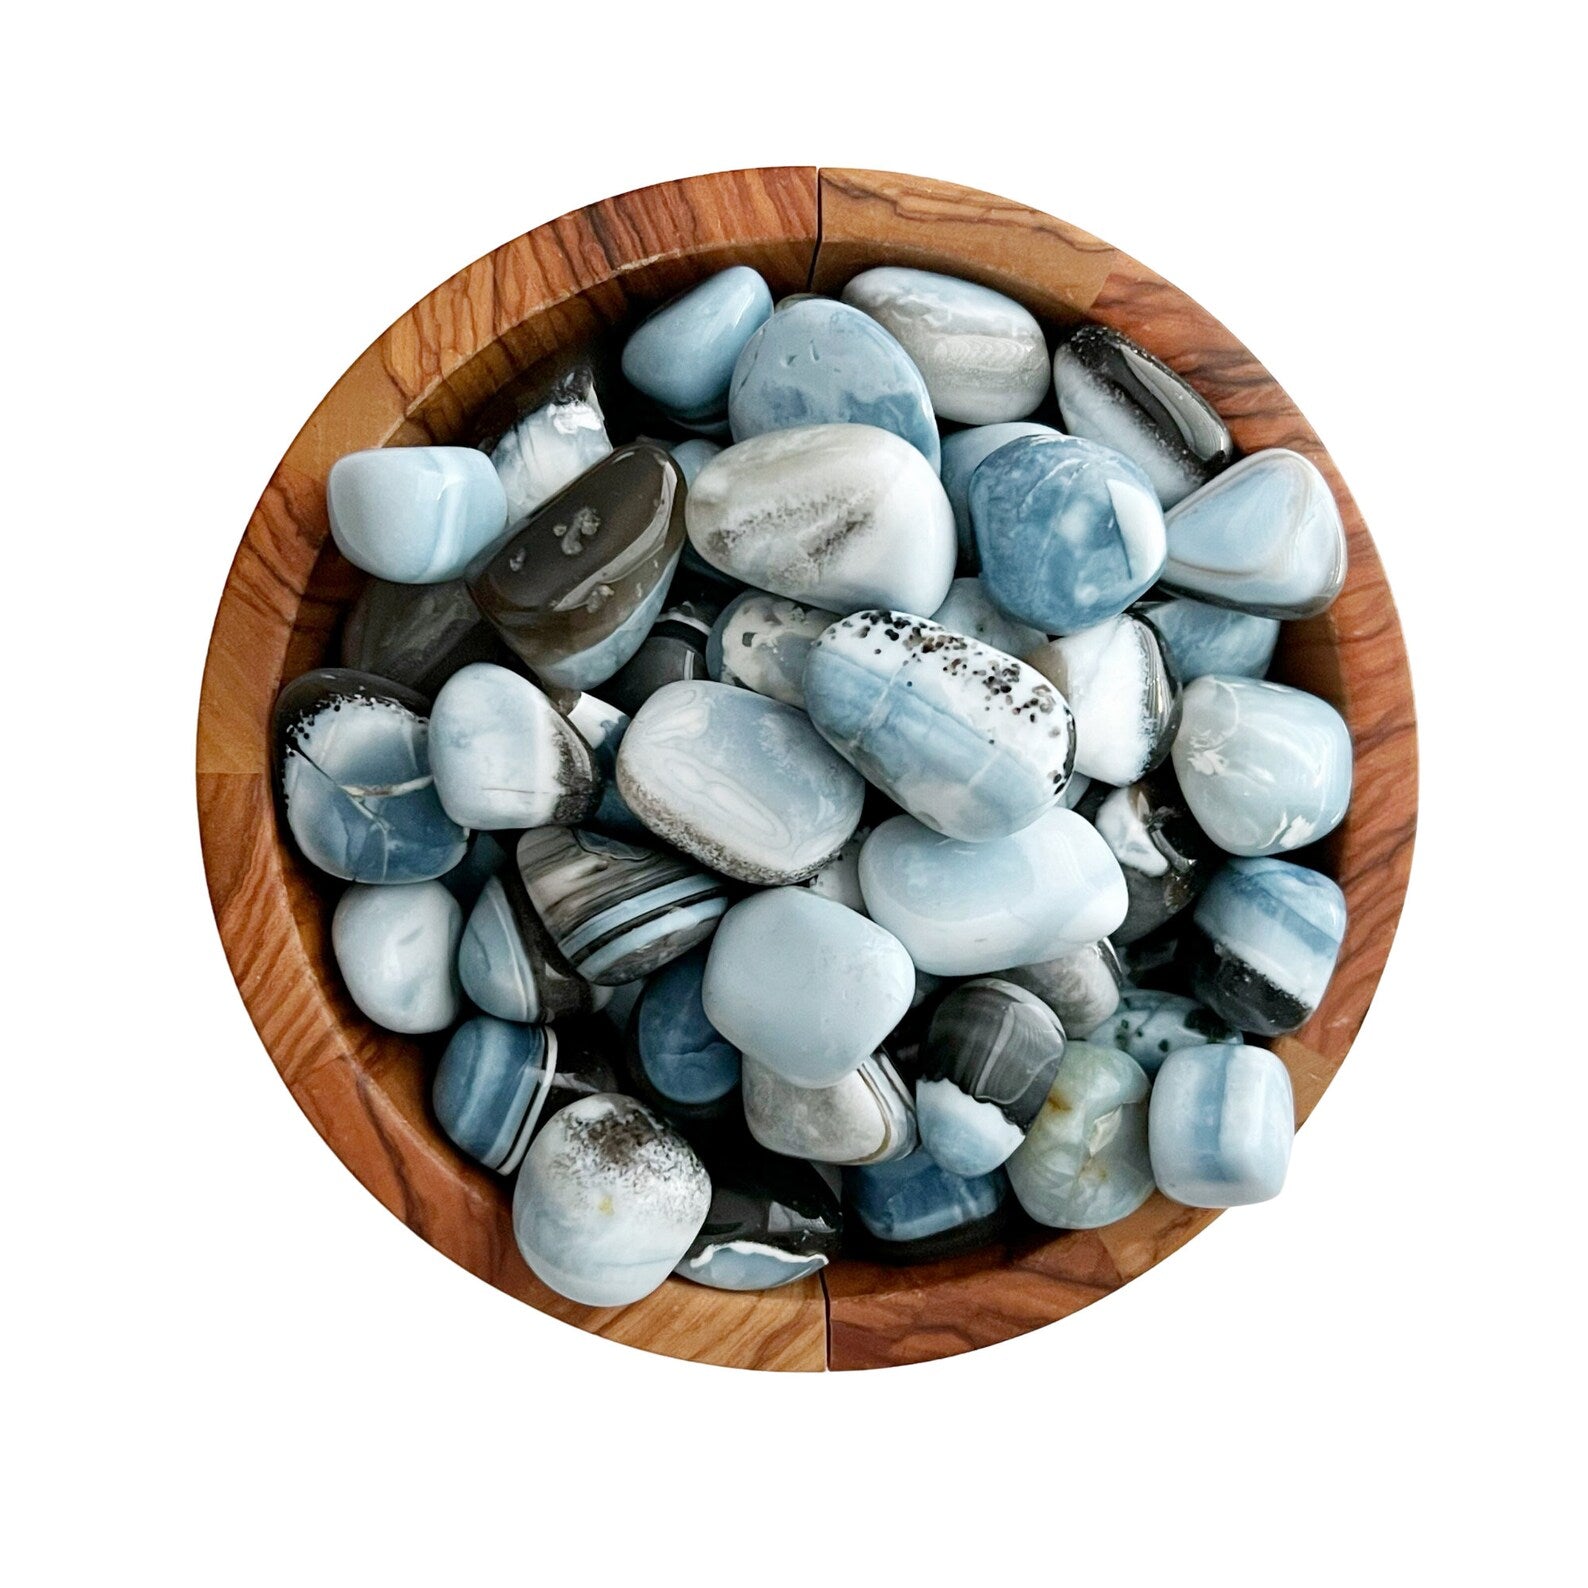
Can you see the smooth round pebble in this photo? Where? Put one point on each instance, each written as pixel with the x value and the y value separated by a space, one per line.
pixel 763 641
pixel 396 947
pixel 684 1056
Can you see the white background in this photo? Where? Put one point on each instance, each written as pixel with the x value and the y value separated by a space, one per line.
pixel 225 1363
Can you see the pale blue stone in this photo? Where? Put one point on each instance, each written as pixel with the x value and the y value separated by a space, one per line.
pixel 596 663
pixel 1150 1024
pixel 493 962
pixel 962 451
pixel 602 727
pixel 1264 768
pixel 804 985
pixel 968 740
pixel 1068 532
pixel 747 1265
pixel 964 1134
pixel 1204 639
pixel 551 446
pixel 488 1085
pixel 968 611
pixel 691 456
pixel 682 356
pixel 762 642
pixel 910 1199
pixel 397 947
pixel 1222 1122
pixel 821 362
pixel 839 880
pixel 415 515
pixel 684 1056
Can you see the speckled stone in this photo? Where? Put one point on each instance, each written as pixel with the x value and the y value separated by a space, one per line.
pixel 397 947
pixel 691 1069
pixel 865 1118
pixel 509 965
pixel 1150 1024
pixel 1204 639
pixel 968 610
pixel 912 1210
pixel 962 452
pixel 553 443
pixel 762 642
pixel 1081 987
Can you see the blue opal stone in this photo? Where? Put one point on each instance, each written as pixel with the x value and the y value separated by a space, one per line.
pixel 1149 1024
pixel 552 444
pixel 682 356
pixel 397 948
pixel 507 962
pixel 762 642
pixel 415 515
pixel 353 773
pixel 804 985
pixel 744 784
pixel 1264 768
pixel 967 610
pixel 692 455
pixel 914 1210
pixel 865 1118
pixel 602 726
pixel 1269 933
pixel 1081 987
pixel 968 740
pixel 1222 1122
pixel 685 1058
pixel 821 362
pixel 962 451
pixel 1068 532
pixel 1203 639
pixel 1084 1163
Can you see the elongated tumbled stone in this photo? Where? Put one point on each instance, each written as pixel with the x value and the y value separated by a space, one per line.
pixel 865 1118
pixel 1222 1122
pixel 1150 1024
pixel 805 986
pixel 418 635
pixel 553 443
pixel 397 947
pixel 415 515
pixel 608 1200
pixel 1264 767
pixel 508 963
pixel 838 516
pixel 968 740
pixel 821 362
pixel 968 610
pixel 762 642
pixel 1084 1163
pixel 1068 532
pixel 912 1210
pixel 1081 987
pixel 1116 393
pixel 1205 639
pixel 962 451
pixel 1266 537
pixel 964 909
pixel 982 354
pixel 684 1064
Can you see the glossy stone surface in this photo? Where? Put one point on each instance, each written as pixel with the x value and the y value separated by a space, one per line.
pixel 1222 1122
pixel 418 635
pixel 1150 1024
pixel 805 986
pixel 1265 536
pixel 673 652
pixel 964 909
pixel 608 1200
pixel 744 784
pixel 968 610
pixel 1113 392
pixel 1264 767
pixel 1081 987
pixel 693 455
pixel 1269 935
pixel 552 444
pixel 837 516
pixel 1204 639
pixel 616 910
pixel 1068 532
pixel 982 354
pixel 821 362
pixel 1115 680
pixel 682 1057
pixel 762 642
pixel 682 356
pixel 577 586
pixel 602 726
pixel 914 1210
pixel 397 947
pixel 502 756
pixel 968 740
pixel 1084 1163
pixel 962 451
pixel 989 1058
pixel 865 1118
pixel 509 965
pixel 353 774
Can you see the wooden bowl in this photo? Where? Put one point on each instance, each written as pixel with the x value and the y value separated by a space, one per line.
pixel 366 1090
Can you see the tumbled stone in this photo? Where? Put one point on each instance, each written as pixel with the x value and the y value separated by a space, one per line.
pixel 1080 987
pixel 912 1210
pixel 964 909
pixel 673 652
pixel 418 635
pixel 1221 1126
pixel 577 586
pixel 1150 1024
pixel 838 516
pixel 552 444
pixel 1265 768
pixel 674 1049
pixel 1118 394
pixel 1266 537
pixel 1068 532
pixel 762 642
pixel 1269 933
pixel 616 910
pixel 415 515
pixel 982 354
pixel 1084 1163
pixel 967 610
pixel 607 1202
pixel 822 362
pixel 744 784
pixel 508 963
pixel 602 727
pixel 1203 639
pixel 865 1118
pixel 353 773
pixel 397 946
pixel 805 986
pixel 692 456
pixel 962 451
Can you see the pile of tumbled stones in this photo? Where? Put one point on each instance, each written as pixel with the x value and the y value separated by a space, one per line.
pixel 850 814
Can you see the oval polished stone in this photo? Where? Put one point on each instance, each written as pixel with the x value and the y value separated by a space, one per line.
pixel 962 451
pixel 1222 1123
pixel 552 444
pixel 838 516
pixel 1150 1024
pixel 967 610
pixel 503 757
pixel 865 1118
pixel 744 784
pixel 1264 767
pixel 982 354
pixel 968 740
pixel 509 965
pixel 805 986
pixel 415 515
pixel 1085 1163
pixel 1068 532
pixel 418 635
pixel 912 1210
pixel 762 642
pixel 397 947
pixel 682 356
pixel 607 1202
pixel 1204 639
pixel 820 362
pixel 682 1056
pixel 1081 987
pixel 1118 394
pixel 1266 536
pixel 964 909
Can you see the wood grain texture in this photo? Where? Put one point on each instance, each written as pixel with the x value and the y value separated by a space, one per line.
pixel 569 282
